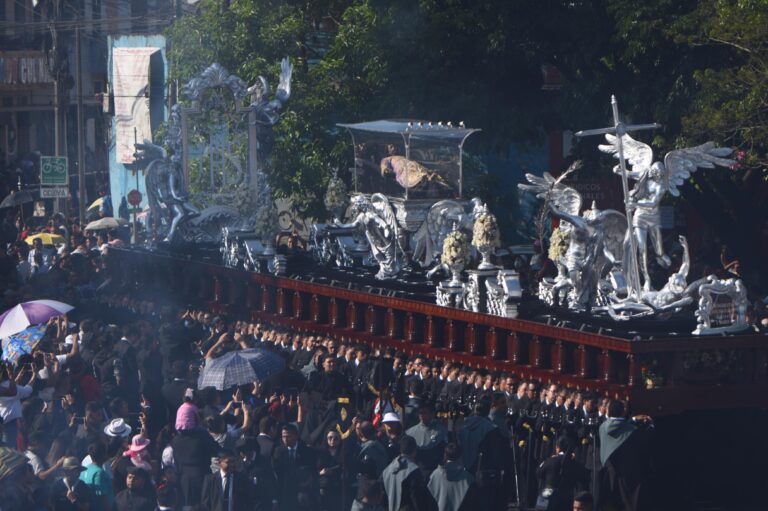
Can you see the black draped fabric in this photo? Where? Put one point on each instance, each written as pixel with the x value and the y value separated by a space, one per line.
pixel 625 448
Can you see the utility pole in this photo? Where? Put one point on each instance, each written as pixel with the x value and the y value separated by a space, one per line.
pixel 81 199
pixel 58 78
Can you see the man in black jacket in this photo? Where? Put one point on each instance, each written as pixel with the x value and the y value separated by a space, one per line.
pixel 259 473
pixel 559 475
pixel 138 494
pixel 295 466
pixel 266 438
pixel 173 391
pixel 227 490
pixel 127 368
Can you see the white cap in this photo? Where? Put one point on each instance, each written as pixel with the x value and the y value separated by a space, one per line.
pixel 390 417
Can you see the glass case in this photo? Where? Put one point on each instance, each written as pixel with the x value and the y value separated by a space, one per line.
pixel 408 159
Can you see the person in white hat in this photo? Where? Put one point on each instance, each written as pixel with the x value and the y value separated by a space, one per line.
pixel 117 428
pixel 393 432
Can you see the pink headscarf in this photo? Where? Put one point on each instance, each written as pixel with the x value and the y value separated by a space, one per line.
pixel 186 417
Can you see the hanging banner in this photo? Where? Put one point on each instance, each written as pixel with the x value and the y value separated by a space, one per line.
pixel 130 77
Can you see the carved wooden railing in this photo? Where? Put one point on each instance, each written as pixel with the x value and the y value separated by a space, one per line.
pixel 685 373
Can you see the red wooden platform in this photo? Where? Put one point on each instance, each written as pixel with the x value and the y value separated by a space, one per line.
pixel 611 366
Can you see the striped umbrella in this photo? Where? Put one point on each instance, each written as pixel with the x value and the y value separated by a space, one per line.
pixel 18 318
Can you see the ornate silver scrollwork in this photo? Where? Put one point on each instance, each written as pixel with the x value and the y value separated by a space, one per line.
pixel 503 293
pixel 214 75
pixel 449 296
pixel 730 316
pixel 472 294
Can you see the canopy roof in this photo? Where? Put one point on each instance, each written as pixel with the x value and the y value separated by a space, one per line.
pixel 408 128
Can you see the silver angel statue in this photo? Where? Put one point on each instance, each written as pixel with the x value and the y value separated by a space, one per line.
pixel 267 111
pixel 595 242
pixel 165 187
pixel 376 218
pixel 442 218
pixel 652 182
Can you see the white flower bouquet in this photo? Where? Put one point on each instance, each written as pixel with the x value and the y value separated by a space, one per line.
pixel 558 244
pixel 455 250
pixel 485 232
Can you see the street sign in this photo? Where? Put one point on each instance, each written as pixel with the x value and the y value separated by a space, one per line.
pixel 54 170
pixel 53 193
pixel 134 197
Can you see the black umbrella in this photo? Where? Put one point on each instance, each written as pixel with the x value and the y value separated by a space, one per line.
pixel 15 199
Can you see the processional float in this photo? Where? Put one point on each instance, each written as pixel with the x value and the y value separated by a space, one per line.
pixel 604 269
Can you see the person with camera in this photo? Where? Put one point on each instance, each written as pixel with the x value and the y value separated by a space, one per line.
pixel 558 477
pixel 11 394
pixel 624 453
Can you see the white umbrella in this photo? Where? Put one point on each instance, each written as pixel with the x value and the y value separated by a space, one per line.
pixel 105 223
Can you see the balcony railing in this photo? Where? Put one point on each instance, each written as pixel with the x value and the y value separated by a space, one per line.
pixel 658 376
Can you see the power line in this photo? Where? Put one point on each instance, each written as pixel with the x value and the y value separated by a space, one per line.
pixel 73 24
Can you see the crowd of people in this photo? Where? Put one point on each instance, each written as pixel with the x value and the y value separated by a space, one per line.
pixel 106 414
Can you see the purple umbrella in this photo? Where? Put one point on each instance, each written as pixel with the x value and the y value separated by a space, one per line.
pixel 18 318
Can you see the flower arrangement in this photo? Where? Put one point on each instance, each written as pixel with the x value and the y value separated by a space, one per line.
pixel 485 232
pixel 455 250
pixel 558 244
pixel 335 194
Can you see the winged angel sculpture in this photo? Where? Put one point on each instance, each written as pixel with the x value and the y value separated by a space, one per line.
pixel 442 218
pixel 267 112
pixel 376 218
pixel 652 182
pixel 595 242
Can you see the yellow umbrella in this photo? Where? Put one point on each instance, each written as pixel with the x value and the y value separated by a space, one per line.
pixel 47 238
pixel 96 203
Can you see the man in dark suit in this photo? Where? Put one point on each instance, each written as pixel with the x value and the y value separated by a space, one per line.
pixel 266 438
pixel 173 391
pixel 227 490
pixel 295 466
pixel 259 472
pixel 357 372
pixel 559 475
pixel 129 387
